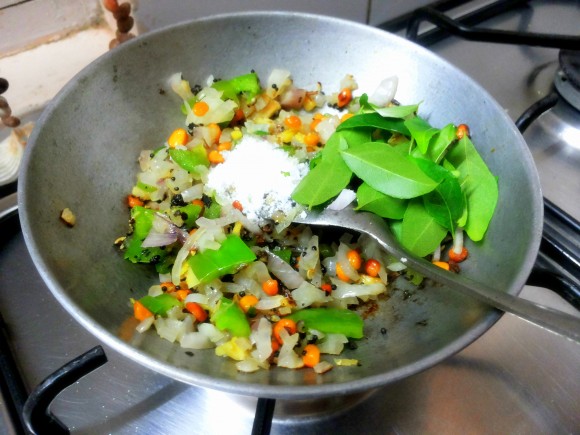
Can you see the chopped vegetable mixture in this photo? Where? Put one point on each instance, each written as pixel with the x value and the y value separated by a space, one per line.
pixel 213 206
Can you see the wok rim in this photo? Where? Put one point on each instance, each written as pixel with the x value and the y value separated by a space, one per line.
pixel 294 392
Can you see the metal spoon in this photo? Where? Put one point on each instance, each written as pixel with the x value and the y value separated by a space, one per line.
pixel 376 227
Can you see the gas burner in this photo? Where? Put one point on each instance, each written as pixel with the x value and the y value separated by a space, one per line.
pixel 567 81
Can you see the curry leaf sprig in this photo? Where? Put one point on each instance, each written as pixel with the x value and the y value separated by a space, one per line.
pixel 426 181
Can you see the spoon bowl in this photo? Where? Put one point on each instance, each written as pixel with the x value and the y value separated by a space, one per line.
pixel 376 227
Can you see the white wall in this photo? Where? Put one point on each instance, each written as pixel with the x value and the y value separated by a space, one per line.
pixel 153 14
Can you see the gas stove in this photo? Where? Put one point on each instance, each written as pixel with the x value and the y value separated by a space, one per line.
pixel 517 377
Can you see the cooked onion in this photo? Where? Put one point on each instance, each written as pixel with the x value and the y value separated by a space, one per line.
pixel 385 92
pixel 283 271
pixel 287 357
pixel 332 344
pixel 195 340
pixel 293 99
pixel 344 198
pixel 262 338
pixel 307 295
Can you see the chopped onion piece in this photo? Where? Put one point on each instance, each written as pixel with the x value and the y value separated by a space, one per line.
pixel 262 338
pixel 194 192
pixel 270 302
pixel 307 295
pixel 385 92
pixel 198 298
pixel 145 324
pixel 283 271
pixel 322 367
pixel 293 98
pixel 287 357
pixel 211 332
pixel 344 198
pixel 248 365
pixel 345 290
pixel 195 340
pixel 154 239
pixel 332 344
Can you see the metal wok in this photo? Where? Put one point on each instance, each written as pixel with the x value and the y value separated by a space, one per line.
pixel 82 155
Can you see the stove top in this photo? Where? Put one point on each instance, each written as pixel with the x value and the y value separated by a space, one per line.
pixel 517 377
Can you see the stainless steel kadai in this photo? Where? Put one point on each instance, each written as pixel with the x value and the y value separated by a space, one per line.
pixel 82 156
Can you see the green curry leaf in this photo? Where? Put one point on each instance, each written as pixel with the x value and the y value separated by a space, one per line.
pixel 421 131
pixel 327 178
pixel 419 232
pixel 374 120
pixel 387 170
pixel 479 184
pixel 369 199
pixel 446 203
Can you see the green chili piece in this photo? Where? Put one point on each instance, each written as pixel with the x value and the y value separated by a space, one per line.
pixel 191 158
pixel 159 305
pixel 213 211
pixel 146 187
pixel 142 222
pixel 189 214
pixel 247 83
pixel 331 321
pixel 231 255
pixel 230 317
pixel 285 254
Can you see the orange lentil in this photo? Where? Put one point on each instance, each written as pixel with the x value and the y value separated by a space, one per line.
pixel 372 267
pixel 214 133
pixel 340 273
pixel 239 116
pixel 293 122
pixel 198 202
pixel 310 355
pixel 247 301
pixel 270 287
pixel 288 324
pixel 168 287
pixel 197 310
pixel 458 258
pixel 326 287
pixel 133 201
pixel 462 130
pixel 215 157
pixel 140 311
pixel 344 97
pixel 441 264
pixel 178 137
pixel 181 294
pixel 311 139
pixel 224 146
pixel 354 259
pixel 316 120
pixel 346 116
pixel 200 108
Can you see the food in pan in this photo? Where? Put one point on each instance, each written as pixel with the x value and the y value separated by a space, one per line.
pixel 213 207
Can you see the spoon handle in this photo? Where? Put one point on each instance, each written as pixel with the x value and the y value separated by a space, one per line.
pixel 556 321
